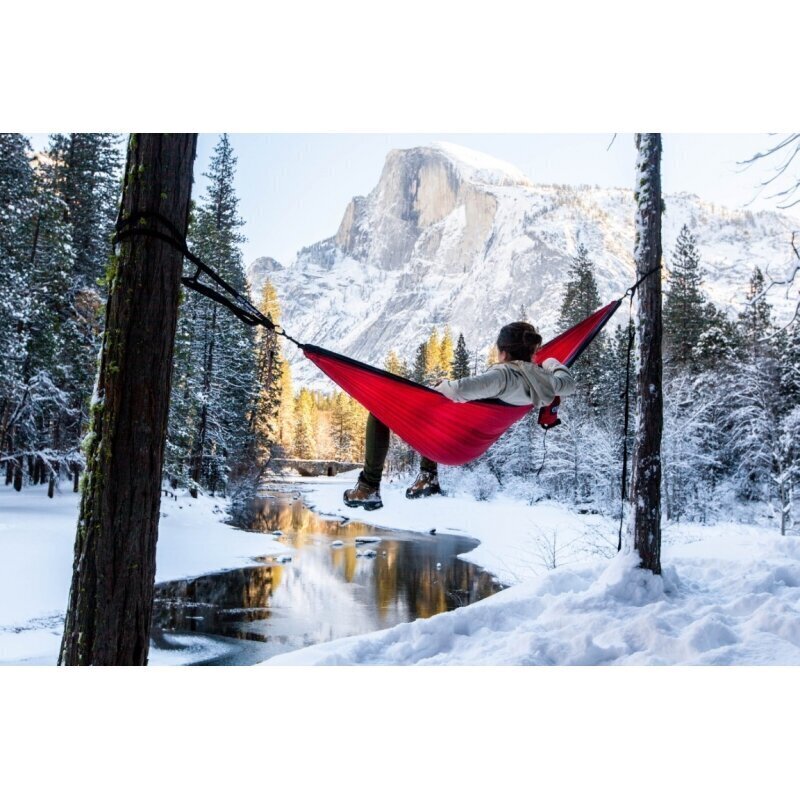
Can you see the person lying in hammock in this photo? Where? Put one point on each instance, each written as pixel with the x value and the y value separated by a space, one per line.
pixel 515 379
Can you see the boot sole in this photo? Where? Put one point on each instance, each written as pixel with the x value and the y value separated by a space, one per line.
pixel 367 506
pixel 423 493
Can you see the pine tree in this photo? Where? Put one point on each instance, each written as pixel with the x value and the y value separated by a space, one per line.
pixel 684 307
pixel 88 171
pixel 39 421
pixel 85 176
pixel 446 353
pixel 17 212
pixel 218 370
pixel 581 299
pixel 395 365
pixel 286 420
pixel 719 341
pixel 420 372
pixel 433 363
pixel 261 441
pixel 752 406
pixel 788 347
pixel 755 322
pixel 305 436
pixel 460 366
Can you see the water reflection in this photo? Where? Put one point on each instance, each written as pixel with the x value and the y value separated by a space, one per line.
pixel 324 592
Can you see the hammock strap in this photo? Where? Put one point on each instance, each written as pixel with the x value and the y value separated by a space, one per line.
pixel 220 291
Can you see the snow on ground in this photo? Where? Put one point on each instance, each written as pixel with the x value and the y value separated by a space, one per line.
pixel 36 548
pixel 729 594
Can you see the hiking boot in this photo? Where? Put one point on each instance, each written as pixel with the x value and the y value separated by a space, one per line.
pixel 363 496
pixel 426 484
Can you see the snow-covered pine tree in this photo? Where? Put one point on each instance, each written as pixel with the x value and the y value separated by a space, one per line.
pixel 420 370
pixel 718 342
pixel 689 465
pixel 581 299
pixel 752 401
pixel 54 359
pixel 460 367
pixel 88 170
pixel 755 321
pixel 788 346
pixel 221 378
pixel 38 427
pixel 684 306
pixel 17 212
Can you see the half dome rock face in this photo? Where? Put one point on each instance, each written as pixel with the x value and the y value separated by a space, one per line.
pixel 419 189
pixel 451 236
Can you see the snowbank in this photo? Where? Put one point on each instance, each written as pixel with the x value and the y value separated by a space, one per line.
pixel 729 594
pixel 37 536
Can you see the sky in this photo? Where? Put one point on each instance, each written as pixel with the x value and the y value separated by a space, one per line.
pixel 294 187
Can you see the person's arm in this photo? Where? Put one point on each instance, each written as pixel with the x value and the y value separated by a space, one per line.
pixel 563 380
pixel 491 383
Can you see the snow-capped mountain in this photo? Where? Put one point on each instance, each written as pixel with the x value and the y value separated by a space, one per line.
pixel 452 236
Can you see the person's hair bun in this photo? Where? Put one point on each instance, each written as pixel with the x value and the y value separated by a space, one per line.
pixel 520 340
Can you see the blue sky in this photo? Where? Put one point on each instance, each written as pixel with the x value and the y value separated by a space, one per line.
pixel 294 187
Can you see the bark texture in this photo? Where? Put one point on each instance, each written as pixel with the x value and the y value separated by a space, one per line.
pixel 111 597
pixel 646 495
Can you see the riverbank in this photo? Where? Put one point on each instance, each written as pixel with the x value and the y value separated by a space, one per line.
pixel 37 537
pixel 729 593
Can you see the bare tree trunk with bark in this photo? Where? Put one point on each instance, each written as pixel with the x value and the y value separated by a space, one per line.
pixel 111 598
pixel 646 494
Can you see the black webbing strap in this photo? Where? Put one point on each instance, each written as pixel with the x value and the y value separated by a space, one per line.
pixel 631 290
pixel 220 291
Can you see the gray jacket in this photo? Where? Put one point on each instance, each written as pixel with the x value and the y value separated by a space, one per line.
pixel 518 383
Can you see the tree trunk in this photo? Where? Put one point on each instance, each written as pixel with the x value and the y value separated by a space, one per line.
pixel 111 598
pixel 646 496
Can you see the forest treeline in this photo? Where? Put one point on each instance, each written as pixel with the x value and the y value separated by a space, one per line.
pixel 731 386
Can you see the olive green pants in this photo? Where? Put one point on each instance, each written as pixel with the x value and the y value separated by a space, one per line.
pixel 375 450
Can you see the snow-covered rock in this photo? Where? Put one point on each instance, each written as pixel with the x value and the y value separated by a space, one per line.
pixel 451 236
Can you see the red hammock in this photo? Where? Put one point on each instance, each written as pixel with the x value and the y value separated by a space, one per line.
pixel 444 431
